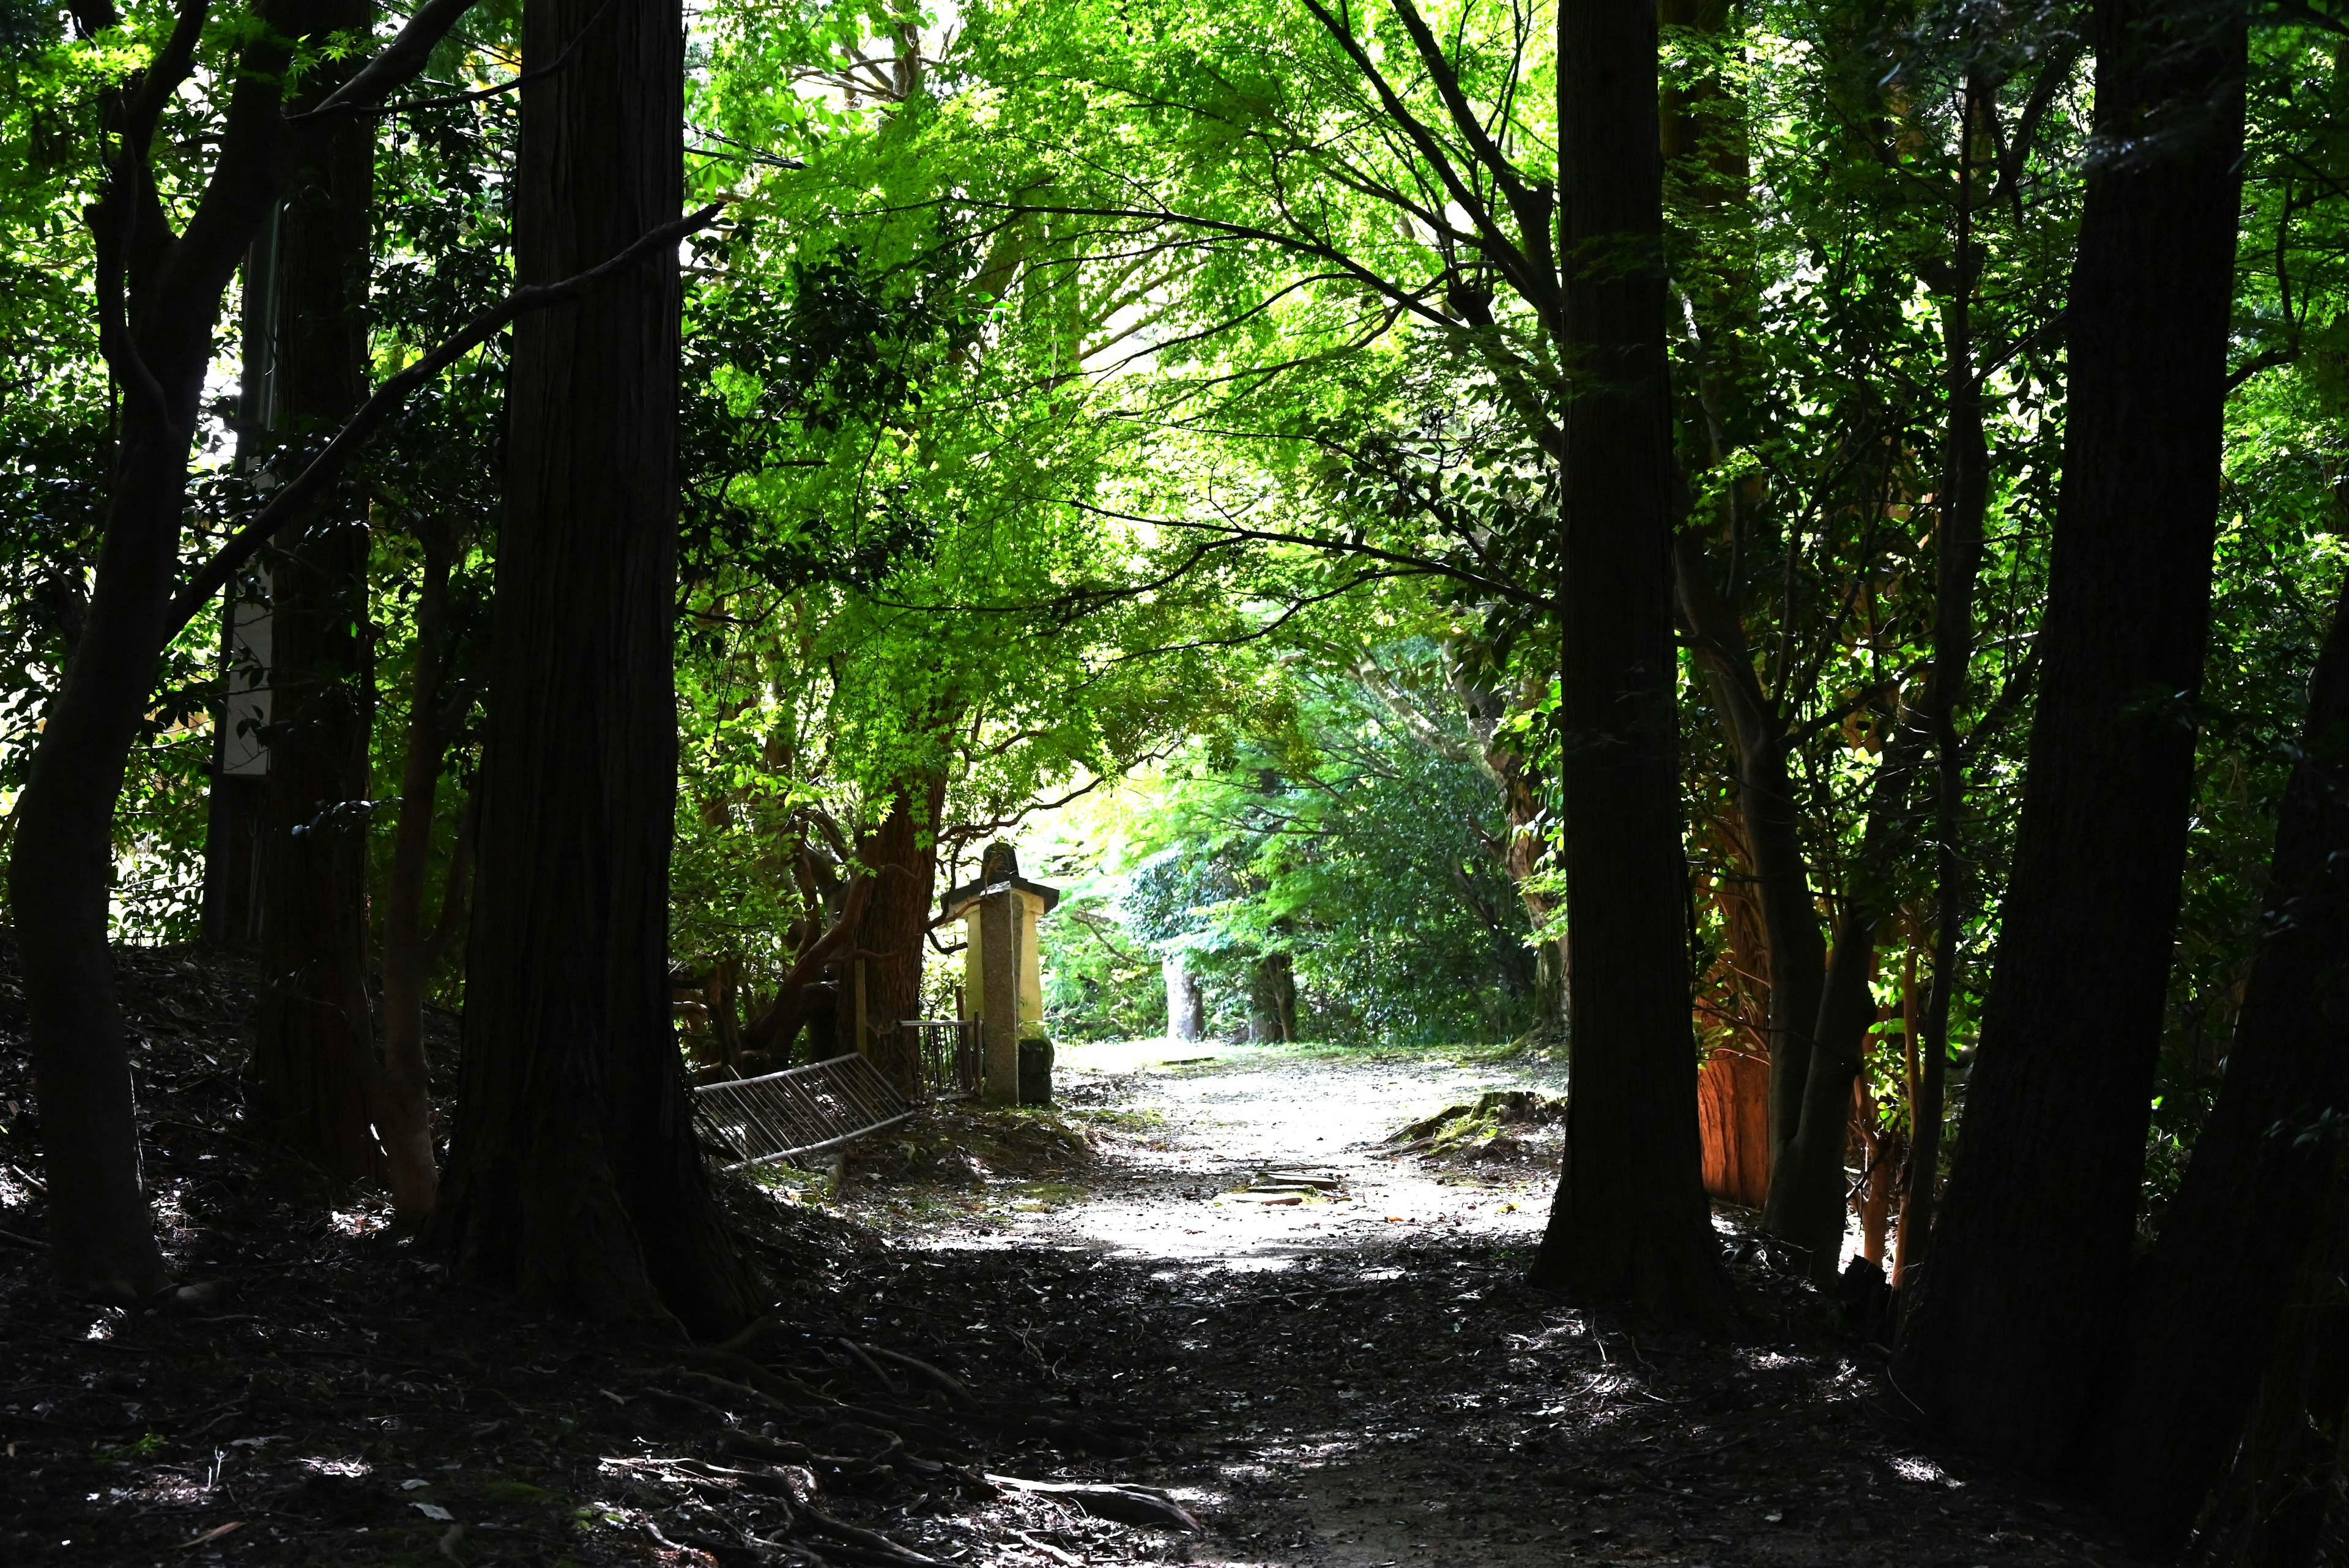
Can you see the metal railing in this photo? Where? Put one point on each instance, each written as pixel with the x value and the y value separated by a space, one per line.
pixel 798 1111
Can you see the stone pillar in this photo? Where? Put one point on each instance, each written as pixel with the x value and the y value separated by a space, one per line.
pixel 997 1002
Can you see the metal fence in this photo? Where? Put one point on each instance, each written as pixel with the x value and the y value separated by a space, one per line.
pixel 798 1111
pixel 948 1048
pixel 823 1105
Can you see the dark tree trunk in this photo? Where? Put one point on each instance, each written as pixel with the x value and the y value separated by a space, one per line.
pixel 2203 1308
pixel 1272 998
pixel 157 296
pixel 409 948
pixel 1630 1222
pixel 62 869
pixel 313 1046
pixel 2030 1252
pixel 575 1180
pixel 902 856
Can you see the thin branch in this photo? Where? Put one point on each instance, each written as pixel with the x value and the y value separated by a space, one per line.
pixel 327 466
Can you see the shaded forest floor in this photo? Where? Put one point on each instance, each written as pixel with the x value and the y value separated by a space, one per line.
pixel 1319 1350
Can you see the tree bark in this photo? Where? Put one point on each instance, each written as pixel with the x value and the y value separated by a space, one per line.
pixel 1765 802
pixel 314 1045
pixel 902 856
pixel 158 295
pixel 409 948
pixel 576 1179
pixel 1629 1220
pixel 2204 1306
pixel 2030 1252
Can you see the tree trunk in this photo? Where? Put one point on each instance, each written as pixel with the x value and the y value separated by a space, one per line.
pixel 902 856
pixel 2204 1307
pixel 576 1179
pixel 2030 1252
pixel 1964 496
pixel 157 298
pixel 1765 802
pixel 1629 1220
pixel 1186 1001
pixel 101 1231
pixel 1272 1000
pixel 1526 851
pixel 409 949
pixel 314 1045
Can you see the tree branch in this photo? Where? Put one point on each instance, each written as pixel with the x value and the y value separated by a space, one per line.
pixel 327 466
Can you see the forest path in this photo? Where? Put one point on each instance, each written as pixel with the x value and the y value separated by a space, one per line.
pixel 1213 1118
pixel 1362 1380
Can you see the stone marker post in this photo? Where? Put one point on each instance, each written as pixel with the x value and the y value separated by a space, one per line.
pixel 1003 981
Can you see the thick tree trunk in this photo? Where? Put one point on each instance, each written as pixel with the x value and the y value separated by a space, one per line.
pixel 2203 1308
pixel 902 856
pixel 1630 1222
pixel 313 1046
pixel 576 1179
pixel 2030 1252
pixel 1186 1001
pixel 1272 1000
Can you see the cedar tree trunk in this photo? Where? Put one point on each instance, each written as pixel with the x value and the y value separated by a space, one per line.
pixel 575 1180
pixel 2203 1309
pixel 314 1045
pixel 1629 1220
pixel 2031 1254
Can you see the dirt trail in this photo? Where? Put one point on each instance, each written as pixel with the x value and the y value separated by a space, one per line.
pixel 1225 1114
pixel 1361 1380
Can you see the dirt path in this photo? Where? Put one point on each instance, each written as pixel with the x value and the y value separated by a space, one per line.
pixel 1350 1376
pixel 1220 1116
pixel 1361 1380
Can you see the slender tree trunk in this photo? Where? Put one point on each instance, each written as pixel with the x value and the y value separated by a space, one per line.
pixel 1912 1086
pixel 902 855
pixel 409 948
pixel 575 1180
pixel 1526 851
pixel 313 1046
pixel 61 876
pixel 2030 1252
pixel 2203 1308
pixel 157 298
pixel 1630 1219
pixel 1765 802
pixel 1964 495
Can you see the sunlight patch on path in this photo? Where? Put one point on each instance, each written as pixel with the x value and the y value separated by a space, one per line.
pixel 1228 1113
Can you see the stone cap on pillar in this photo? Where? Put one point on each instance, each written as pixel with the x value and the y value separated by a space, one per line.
pixel 999 872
